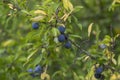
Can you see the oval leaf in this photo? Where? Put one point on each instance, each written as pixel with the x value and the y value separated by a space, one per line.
pixel 90 29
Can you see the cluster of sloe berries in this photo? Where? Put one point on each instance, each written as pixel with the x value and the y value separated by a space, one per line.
pixel 63 38
pixel 35 72
pixel 98 73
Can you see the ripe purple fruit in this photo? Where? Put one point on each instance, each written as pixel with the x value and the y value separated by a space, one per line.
pixel 30 70
pixel 35 25
pixel 33 75
pixel 36 72
pixel 67 45
pixel 99 70
pixel 61 38
pixel 61 29
pixel 98 76
pixel 38 69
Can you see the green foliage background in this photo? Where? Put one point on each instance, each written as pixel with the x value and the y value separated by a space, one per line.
pixel 22 48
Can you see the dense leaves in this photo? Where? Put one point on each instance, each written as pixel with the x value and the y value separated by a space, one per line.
pixel 59 40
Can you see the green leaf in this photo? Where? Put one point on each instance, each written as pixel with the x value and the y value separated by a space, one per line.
pixel 37 60
pixel 55 31
pixel 107 40
pixel 31 54
pixel 76 36
pixel 80 26
pixel 22 74
pixel 90 73
pixel 119 60
pixel 77 8
pixel 24 11
pixel 56 73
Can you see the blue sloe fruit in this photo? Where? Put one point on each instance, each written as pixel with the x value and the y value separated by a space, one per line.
pixel 99 70
pixel 61 29
pixel 35 25
pixel 33 75
pixel 38 69
pixel 30 70
pixel 67 45
pixel 61 38
pixel 98 76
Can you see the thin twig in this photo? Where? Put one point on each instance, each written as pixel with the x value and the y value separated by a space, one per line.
pixel 79 47
pixel 56 16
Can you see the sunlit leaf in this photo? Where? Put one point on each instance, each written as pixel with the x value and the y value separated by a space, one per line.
pixel 76 77
pixel 9 42
pixel 114 61
pixel 44 76
pixel 67 5
pixel 31 54
pixel 90 29
pixel 115 77
pixel 119 60
pixel 55 31
pixel 37 18
pixel 39 12
pixel 86 58
pixel 107 40
pixel 66 15
pixel 11 6
pixel 116 36
pixel 90 73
